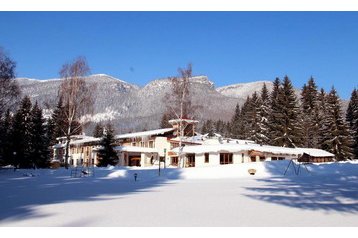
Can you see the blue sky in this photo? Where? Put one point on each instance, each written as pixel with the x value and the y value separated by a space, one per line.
pixel 229 47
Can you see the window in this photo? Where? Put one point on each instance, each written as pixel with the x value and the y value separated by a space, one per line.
pixel 174 160
pixel 151 144
pixel 273 158
pixel 191 160
pixel 206 157
pixel 225 158
pixel 262 158
pixel 242 158
pixel 281 158
pixel 134 144
pixel 253 158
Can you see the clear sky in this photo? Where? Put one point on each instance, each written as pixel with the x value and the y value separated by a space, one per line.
pixel 228 47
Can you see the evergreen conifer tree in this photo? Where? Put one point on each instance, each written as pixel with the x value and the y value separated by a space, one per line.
pixel 164 123
pixel 310 117
pixel 39 147
pixel 352 119
pixel 285 123
pixel 107 154
pixel 335 137
pixel 21 135
pixel 253 118
pixel 275 119
pixel 98 130
pixel 235 123
pixel 262 136
pixel 6 143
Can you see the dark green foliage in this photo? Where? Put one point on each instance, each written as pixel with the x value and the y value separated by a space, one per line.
pixel 164 123
pixel 39 143
pixel 6 143
pixel 284 120
pixel 335 132
pixel 262 136
pixel 21 135
pixel 57 123
pixel 310 114
pixel 107 154
pixel 98 130
pixel 352 119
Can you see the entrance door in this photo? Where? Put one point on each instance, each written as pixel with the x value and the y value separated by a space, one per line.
pixel 134 161
pixel 191 160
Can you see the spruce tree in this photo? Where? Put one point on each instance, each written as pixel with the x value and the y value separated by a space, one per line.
pixel 39 152
pixel 164 123
pixel 21 135
pixel 352 119
pixel 98 130
pixel 6 143
pixel 275 119
pixel 262 136
pixel 204 128
pixel 310 117
pixel 286 126
pixel 253 118
pixel 107 155
pixel 235 123
pixel 336 138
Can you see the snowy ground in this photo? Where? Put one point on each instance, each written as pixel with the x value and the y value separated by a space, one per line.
pixel 218 196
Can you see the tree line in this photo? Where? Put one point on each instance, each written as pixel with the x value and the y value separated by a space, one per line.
pixel 279 118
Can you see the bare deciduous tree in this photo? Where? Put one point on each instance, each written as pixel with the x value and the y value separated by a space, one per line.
pixel 9 88
pixel 77 98
pixel 179 102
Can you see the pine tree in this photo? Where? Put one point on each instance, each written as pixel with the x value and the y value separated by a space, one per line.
pixel 235 123
pixel 164 123
pixel 39 152
pixel 275 120
pixel 253 117
pixel 204 128
pixel 262 136
pixel 107 154
pixel 57 123
pixel 310 117
pixel 98 130
pixel 352 119
pixel 286 124
pixel 21 135
pixel 210 127
pixel 336 138
pixel 6 143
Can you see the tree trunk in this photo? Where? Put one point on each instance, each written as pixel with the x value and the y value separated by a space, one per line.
pixel 67 151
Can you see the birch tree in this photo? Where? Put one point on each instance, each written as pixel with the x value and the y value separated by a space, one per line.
pixel 77 98
pixel 9 88
pixel 179 102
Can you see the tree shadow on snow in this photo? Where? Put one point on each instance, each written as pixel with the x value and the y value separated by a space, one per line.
pixel 329 187
pixel 21 193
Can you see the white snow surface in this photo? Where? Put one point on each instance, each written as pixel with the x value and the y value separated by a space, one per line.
pixel 215 196
pixel 144 133
pixel 232 148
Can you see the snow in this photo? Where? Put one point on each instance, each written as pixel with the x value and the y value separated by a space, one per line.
pixel 232 148
pixel 217 196
pixel 135 149
pixel 144 133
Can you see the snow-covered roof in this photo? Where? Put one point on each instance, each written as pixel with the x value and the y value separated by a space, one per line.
pixel 85 140
pixel 315 152
pixel 135 149
pixel 231 148
pixel 175 121
pixel 144 133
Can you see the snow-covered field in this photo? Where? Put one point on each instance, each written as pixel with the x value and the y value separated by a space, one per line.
pixel 219 196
